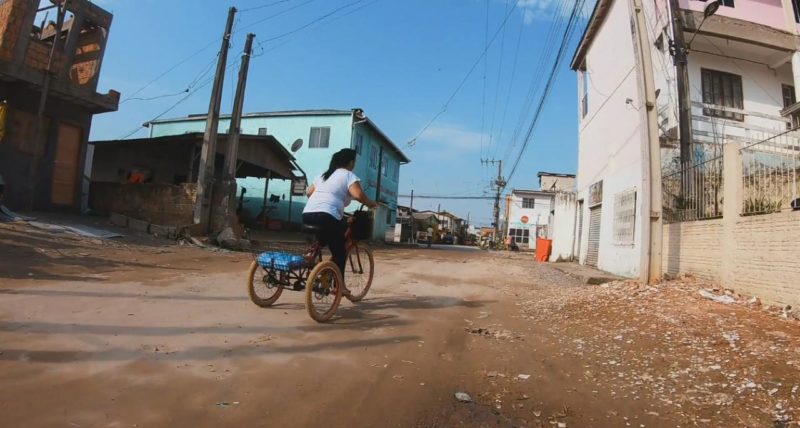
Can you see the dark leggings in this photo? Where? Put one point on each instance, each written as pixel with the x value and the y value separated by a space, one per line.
pixel 332 235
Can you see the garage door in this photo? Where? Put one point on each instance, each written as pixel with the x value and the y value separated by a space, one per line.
pixel 594 236
pixel 66 165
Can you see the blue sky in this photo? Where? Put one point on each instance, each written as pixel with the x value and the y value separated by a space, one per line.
pixel 398 60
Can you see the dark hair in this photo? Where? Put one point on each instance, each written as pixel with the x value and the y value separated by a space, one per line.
pixel 340 159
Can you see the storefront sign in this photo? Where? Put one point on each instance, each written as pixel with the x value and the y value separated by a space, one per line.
pixel 596 193
pixel 525 219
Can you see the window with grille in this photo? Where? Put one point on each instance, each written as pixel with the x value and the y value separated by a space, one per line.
pixel 624 217
pixel 722 89
pixel 528 203
pixel 385 167
pixel 262 131
pixel 320 138
pixel 520 236
pixel 359 143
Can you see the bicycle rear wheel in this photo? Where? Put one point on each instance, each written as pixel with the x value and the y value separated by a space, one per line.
pixel 262 286
pixel 324 289
pixel 360 271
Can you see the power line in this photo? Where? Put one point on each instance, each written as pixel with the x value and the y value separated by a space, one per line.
pixel 497 88
pixel 316 20
pixel 464 80
pixel 264 6
pixel 485 69
pixel 550 81
pixel 447 197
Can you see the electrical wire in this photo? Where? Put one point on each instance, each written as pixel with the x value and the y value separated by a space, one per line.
pixel 497 88
pixel 568 33
pixel 464 80
pixel 485 69
pixel 314 21
pixel 263 6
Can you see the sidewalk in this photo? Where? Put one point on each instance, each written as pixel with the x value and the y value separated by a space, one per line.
pixel 585 274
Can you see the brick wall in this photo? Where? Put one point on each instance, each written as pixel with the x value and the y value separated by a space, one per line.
pixel 38 55
pixel 693 247
pixel 162 204
pixel 12 18
pixel 767 256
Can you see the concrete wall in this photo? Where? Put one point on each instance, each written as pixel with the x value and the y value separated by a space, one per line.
pixel 563 226
pixel 611 136
pixel 552 184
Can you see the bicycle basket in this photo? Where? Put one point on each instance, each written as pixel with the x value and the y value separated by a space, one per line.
pixel 362 225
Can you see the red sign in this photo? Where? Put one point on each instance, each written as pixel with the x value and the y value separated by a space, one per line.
pixel 524 219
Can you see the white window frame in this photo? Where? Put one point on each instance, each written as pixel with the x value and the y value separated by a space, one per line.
pixel 528 203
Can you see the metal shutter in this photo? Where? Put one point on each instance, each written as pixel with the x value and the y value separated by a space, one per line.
pixel 594 236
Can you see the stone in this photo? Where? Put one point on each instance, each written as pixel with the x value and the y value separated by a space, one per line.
pixel 138 225
pixel 244 244
pixel 463 397
pixel 164 231
pixel 227 239
pixel 119 220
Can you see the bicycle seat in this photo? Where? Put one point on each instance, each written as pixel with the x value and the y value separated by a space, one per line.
pixel 311 228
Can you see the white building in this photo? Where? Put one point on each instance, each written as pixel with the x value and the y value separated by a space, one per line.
pixel 741 77
pixel 528 215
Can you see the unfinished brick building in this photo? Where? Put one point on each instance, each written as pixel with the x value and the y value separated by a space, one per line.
pixel 42 156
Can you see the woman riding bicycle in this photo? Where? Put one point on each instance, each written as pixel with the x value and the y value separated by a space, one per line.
pixel 330 193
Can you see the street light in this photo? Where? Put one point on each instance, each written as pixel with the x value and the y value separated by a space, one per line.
pixel 709 10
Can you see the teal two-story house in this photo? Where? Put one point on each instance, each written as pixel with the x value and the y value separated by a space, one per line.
pixel 323 132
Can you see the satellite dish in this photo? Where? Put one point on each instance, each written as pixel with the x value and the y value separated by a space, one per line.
pixel 297 145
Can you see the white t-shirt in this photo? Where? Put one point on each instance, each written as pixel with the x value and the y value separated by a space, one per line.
pixel 331 195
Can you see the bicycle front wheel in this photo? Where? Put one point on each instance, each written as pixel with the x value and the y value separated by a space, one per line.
pixel 360 272
pixel 324 289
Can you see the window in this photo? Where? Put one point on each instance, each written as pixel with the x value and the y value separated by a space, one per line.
pixel 528 203
pixel 584 93
pixel 262 131
pixel 788 95
pixel 385 167
pixel 320 138
pixel 624 217
pixel 796 9
pixel 722 89
pixel 374 155
pixel 397 172
pixel 359 143
pixel 520 236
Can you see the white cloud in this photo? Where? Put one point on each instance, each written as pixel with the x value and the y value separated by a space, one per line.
pixel 447 137
pixel 533 10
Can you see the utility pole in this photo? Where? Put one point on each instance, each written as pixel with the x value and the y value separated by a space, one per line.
pixel 234 134
pixel 652 230
pixel 679 52
pixel 413 220
pixel 48 77
pixel 499 183
pixel 205 179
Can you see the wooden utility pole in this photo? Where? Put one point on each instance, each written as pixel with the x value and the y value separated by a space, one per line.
pixel 499 183
pixel 205 179
pixel 234 134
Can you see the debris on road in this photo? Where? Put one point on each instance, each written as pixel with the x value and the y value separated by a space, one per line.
pixel 463 397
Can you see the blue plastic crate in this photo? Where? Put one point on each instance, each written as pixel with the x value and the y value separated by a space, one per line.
pixel 281 261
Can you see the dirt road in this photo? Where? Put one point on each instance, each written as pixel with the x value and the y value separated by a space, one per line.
pixel 143 333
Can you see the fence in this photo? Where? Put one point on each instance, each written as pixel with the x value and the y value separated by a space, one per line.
pixel 770 174
pixel 694 192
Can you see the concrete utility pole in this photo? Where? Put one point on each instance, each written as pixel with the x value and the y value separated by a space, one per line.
pixel 413 221
pixel 205 179
pixel 499 183
pixel 679 52
pixel 652 233
pixel 234 134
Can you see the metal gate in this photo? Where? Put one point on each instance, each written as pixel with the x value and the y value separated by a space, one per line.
pixel 594 236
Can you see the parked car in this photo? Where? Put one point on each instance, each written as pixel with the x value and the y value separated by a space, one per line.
pixel 447 240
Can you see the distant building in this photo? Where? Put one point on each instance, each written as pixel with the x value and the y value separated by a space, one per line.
pixel 553 182
pixel 528 216
pixel 323 132
pixel 48 172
